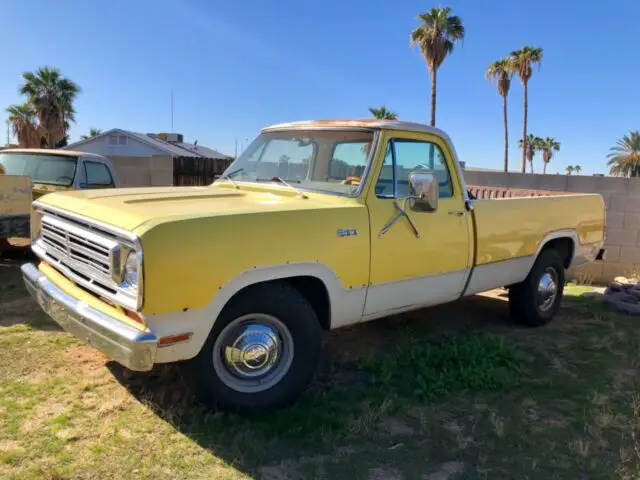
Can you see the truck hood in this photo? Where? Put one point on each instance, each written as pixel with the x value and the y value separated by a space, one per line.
pixel 142 208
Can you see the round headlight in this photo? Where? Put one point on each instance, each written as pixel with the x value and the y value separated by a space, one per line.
pixel 130 276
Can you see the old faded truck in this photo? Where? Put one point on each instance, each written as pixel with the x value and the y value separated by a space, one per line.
pixel 317 225
pixel 29 173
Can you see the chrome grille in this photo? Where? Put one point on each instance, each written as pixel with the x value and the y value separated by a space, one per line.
pixel 87 253
pixel 79 248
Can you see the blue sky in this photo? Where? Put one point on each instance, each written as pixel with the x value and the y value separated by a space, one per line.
pixel 236 66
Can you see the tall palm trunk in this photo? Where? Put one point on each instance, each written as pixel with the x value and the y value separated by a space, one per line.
pixel 506 134
pixel 434 81
pixel 531 164
pixel 544 168
pixel 524 131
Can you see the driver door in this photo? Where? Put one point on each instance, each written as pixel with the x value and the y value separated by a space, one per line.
pixel 411 269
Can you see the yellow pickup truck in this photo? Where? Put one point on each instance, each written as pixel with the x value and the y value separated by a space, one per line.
pixel 317 225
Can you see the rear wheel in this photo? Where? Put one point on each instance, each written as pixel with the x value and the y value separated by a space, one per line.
pixel 536 300
pixel 261 353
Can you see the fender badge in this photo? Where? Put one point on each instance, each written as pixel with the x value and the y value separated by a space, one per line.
pixel 342 232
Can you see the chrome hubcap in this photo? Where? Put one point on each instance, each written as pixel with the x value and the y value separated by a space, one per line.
pixel 547 289
pixel 253 353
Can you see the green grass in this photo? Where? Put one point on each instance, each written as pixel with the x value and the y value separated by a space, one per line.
pixel 427 371
pixel 576 290
pixel 451 392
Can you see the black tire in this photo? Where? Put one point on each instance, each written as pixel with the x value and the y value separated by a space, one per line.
pixel 524 301
pixel 288 306
pixel 4 246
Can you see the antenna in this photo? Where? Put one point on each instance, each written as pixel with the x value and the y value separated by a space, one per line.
pixel 172 110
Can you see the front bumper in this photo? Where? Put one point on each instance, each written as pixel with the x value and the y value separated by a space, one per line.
pixel 132 348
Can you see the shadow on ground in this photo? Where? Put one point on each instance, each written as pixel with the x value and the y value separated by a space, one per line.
pixel 16 306
pixel 165 393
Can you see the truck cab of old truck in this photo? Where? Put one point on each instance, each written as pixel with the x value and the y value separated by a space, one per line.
pixel 29 173
pixel 317 225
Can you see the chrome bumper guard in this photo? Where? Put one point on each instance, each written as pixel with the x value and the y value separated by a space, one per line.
pixel 132 348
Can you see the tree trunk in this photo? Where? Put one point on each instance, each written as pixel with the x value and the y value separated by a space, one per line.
pixel 544 167
pixel 524 131
pixel 506 134
pixel 434 74
pixel 531 164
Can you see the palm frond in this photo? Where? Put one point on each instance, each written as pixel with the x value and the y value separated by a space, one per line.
pixel 437 35
pixel 624 158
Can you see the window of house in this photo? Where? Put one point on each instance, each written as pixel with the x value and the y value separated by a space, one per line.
pixel 117 140
pixel 404 157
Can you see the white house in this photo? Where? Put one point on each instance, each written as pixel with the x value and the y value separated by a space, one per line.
pixel 155 159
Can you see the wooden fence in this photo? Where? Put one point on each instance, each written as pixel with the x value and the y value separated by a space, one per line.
pixel 198 171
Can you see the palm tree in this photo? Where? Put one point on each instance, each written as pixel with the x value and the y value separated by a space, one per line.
pixel 501 71
pixel 93 132
pixel 523 60
pixel 577 169
pixel 548 146
pixel 624 158
pixel 383 113
pixel 51 95
pixel 569 169
pixel 533 144
pixel 435 36
pixel 22 122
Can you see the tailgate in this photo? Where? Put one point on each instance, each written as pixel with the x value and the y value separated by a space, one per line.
pixel 15 206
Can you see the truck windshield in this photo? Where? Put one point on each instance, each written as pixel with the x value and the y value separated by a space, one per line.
pixel 41 168
pixel 331 161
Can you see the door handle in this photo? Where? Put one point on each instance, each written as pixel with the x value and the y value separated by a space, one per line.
pixel 458 213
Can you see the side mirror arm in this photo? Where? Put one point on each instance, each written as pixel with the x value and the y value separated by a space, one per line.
pixel 401 212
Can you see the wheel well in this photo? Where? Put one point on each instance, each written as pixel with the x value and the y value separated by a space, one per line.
pixel 314 290
pixel 564 246
pixel 311 288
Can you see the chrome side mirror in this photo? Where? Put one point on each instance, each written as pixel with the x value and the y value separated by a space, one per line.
pixel 424 192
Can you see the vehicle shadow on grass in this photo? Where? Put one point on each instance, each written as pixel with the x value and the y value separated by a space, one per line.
pixel 16 305
pixel 339 408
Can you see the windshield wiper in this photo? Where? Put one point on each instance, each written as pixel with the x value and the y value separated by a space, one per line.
pixel 228 177
pixel 284 182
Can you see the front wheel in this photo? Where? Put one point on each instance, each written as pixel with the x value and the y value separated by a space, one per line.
pixel 262 352
pixel 536 300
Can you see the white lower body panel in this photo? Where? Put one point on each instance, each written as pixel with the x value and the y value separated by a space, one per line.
pixel 404 295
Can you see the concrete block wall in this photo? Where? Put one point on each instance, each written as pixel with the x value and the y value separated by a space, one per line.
pixel 622 199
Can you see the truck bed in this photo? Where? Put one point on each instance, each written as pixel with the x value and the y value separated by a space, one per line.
pixel 509 232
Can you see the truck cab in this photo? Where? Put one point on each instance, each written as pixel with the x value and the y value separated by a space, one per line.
pixel 59 170
pixel 28 174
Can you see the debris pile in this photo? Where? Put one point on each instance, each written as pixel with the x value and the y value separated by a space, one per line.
pixel 623 294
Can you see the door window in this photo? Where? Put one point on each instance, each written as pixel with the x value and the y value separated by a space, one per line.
pixel 404 157
pixel 96 175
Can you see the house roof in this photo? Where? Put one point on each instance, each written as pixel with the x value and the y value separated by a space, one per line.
pixel 201 150
pixel 173 149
